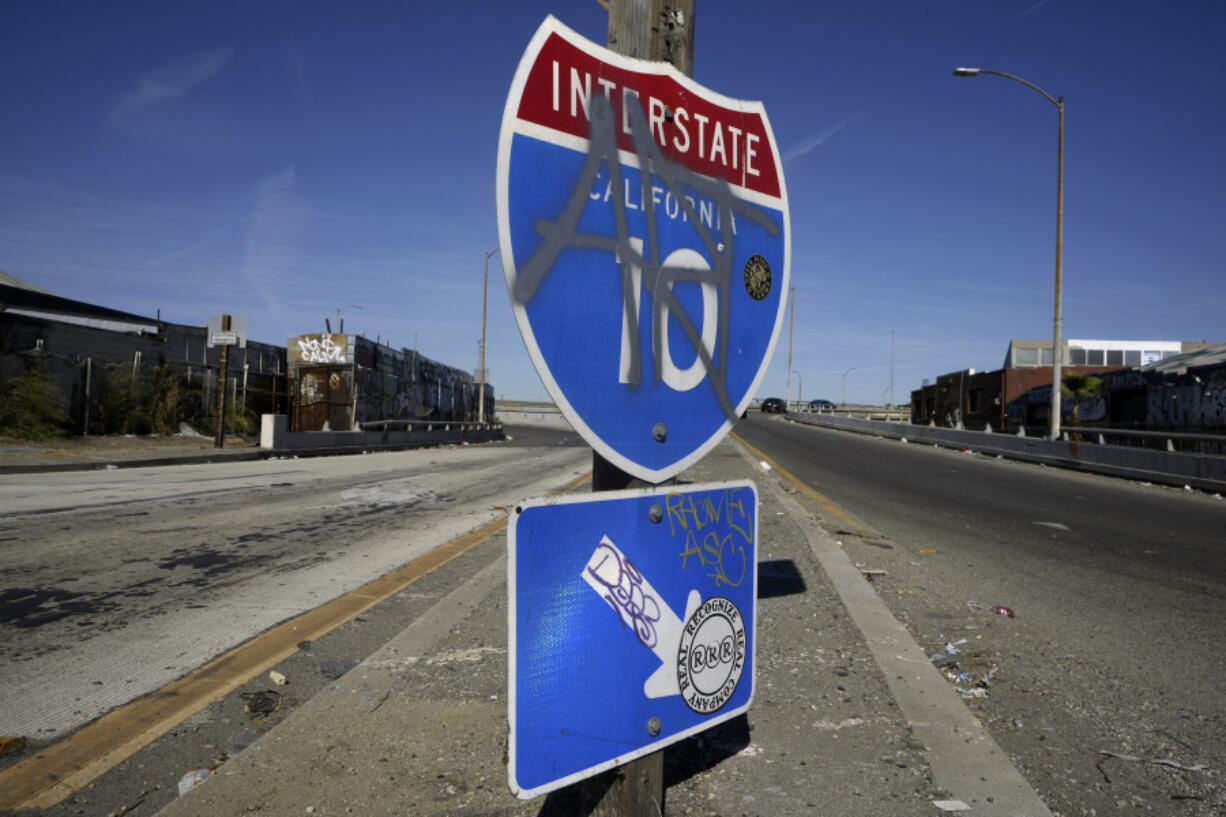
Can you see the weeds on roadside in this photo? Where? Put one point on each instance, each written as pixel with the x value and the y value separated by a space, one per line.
pixel 31 407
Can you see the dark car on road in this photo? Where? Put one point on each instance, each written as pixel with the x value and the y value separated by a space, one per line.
pixel 774 405
pixel 820 405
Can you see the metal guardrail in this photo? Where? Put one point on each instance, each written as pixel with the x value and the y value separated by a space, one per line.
pixel 429 425
pixel 1198 443
pixel 1198 470
pixel 898 414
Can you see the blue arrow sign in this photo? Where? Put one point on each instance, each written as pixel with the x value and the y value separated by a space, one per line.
pixel 645 238
pixel 631 625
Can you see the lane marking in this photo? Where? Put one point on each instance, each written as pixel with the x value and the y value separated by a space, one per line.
pixel 825 503
pixel 59 770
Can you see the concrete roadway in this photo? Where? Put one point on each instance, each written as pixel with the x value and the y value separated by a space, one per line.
pixel 1108 650
pixel 1118 590
pixel 114 583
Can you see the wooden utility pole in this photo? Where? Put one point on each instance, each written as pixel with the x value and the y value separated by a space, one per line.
pixel 660 31
pixel 656 30
pixel 223 357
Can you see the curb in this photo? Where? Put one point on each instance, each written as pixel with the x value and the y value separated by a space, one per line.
pixel 221 456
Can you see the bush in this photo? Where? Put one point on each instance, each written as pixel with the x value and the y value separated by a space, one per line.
pixel 123 406
pixel 31 407
pixel 174 401
pixel 238 421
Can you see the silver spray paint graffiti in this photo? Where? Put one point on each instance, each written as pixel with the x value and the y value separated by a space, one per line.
pixel 638 258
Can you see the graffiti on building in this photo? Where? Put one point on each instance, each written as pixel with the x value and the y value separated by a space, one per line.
pixel 1196 403
pixel 319 349
pixel 369 382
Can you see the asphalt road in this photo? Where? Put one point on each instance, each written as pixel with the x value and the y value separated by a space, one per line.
pixel 114 583
pixel 1118 589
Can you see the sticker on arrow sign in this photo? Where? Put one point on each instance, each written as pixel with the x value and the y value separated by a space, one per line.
pixel 701 659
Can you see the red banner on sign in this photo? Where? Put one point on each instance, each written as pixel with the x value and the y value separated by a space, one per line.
pixel 720 141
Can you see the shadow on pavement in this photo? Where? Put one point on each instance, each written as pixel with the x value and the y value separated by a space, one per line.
pixel 779 577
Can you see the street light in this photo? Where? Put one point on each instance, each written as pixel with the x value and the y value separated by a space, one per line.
pixel 340 327
pixel 485 286
pixel 791 325
pixel 876 326
pixel 1055 343
pixel 849 371
pixel 800 396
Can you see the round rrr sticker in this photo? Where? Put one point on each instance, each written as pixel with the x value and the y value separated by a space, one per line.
pixel 711 657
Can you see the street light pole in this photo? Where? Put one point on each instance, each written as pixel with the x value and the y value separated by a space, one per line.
pixel 791 326
pixel 800 393
pixel 876 326
pixel 485 286
pixel 340 327
pixel 849 371
pixel 1055 343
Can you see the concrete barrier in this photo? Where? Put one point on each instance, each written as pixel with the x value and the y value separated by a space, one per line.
pixel 532 414
pixel 1208 473
pixel 276 436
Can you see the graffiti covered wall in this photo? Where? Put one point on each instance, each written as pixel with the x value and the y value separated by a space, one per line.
pixel 1196 402
pixel 400 384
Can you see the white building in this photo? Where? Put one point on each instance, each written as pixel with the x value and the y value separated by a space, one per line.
pixel 1026 354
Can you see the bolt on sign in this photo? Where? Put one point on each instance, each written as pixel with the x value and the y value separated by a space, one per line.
pixel 645 237
pixel 631 625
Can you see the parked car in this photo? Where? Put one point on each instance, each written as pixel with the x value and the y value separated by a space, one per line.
pixel 820 405
pixel 774 405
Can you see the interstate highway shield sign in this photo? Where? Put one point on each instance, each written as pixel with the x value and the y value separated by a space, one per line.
pixel 643 223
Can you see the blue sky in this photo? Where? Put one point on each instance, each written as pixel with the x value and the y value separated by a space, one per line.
pixel 284 160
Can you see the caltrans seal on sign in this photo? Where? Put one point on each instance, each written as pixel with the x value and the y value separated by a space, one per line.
pixel 711 656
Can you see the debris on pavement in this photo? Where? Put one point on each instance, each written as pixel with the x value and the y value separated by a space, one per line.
pixel 277 678
pixel 998 609
pixel 245 740
pixel 193 778
pixel 1161 761
pixel 941 659
pixel 951 805
pixel 334 668
pixel 121 812
pixel 261 704
pixel 11 744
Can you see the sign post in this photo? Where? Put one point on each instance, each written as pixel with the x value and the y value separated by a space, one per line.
pixel 225 332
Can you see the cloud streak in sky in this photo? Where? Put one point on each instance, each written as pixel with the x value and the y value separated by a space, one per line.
pixel 1032 9
pixel 818 139
pixel 171 81
pixel 160 260
pixel 271 246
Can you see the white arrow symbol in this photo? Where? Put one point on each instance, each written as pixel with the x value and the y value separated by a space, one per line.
pixel 615 578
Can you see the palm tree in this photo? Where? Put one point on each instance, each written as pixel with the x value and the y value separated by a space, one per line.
pixel 1077 387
